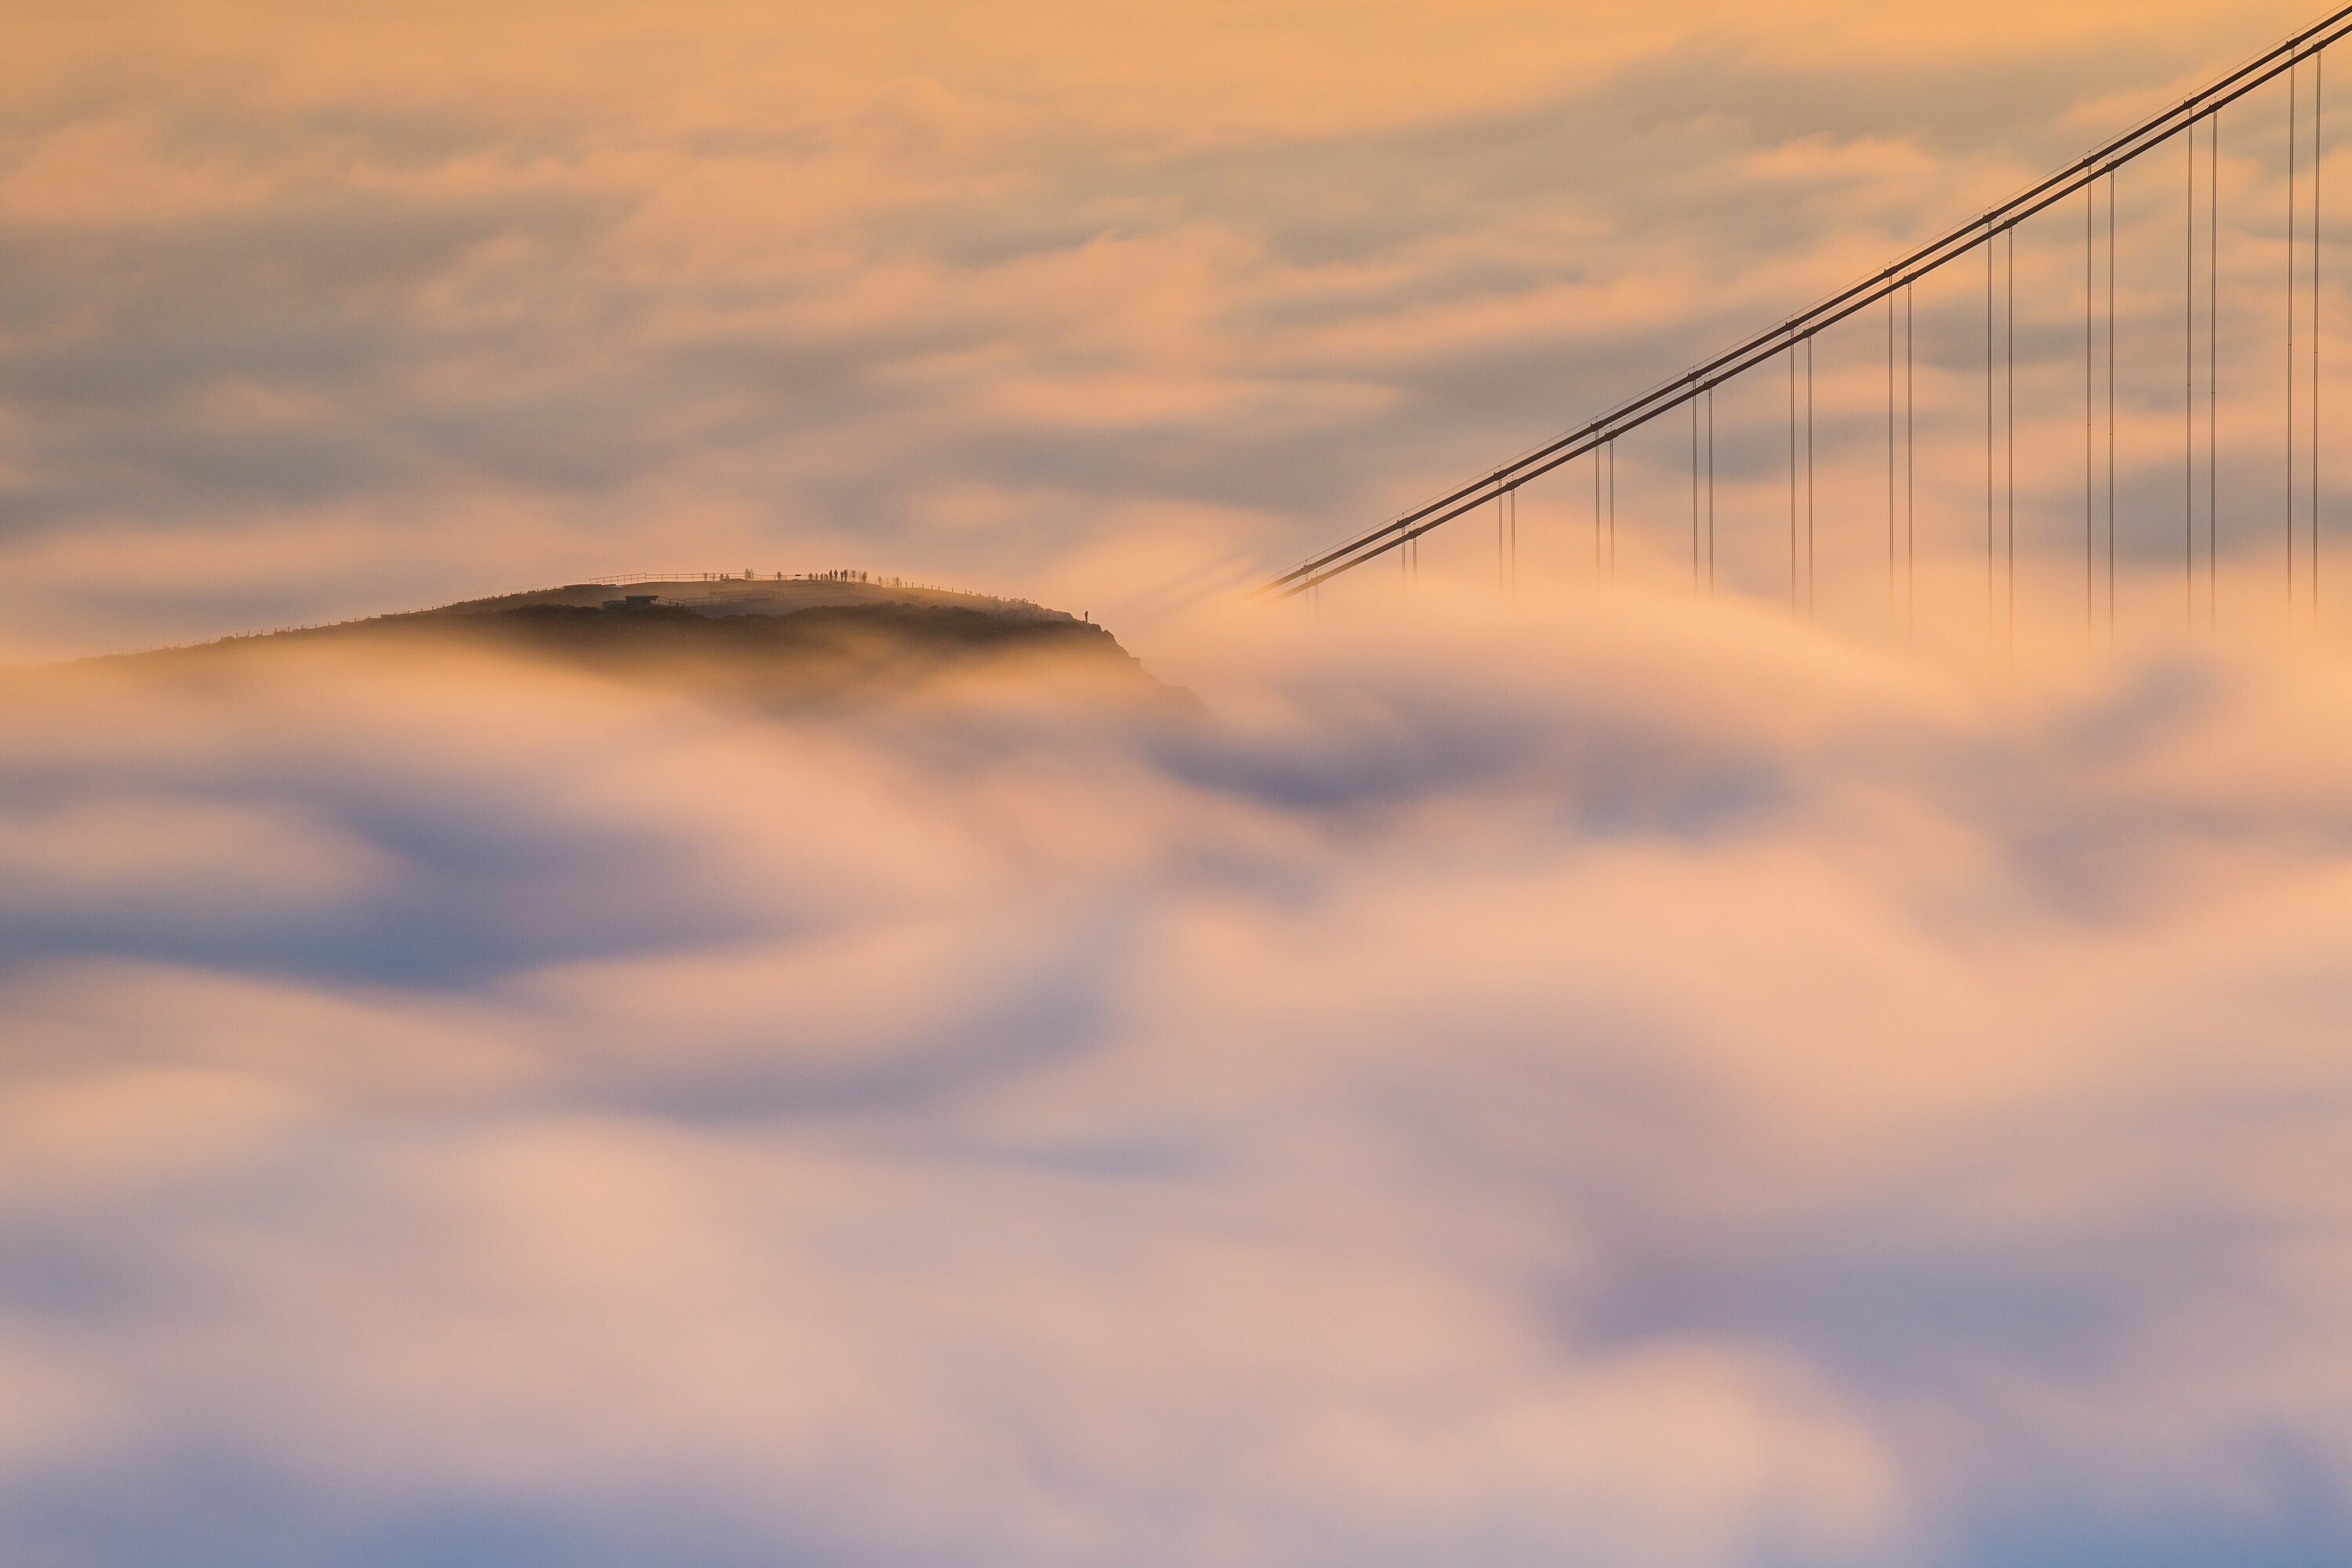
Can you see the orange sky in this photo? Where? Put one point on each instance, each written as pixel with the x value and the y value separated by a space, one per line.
pixel 321 309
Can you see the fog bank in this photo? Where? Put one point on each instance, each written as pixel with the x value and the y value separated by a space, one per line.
pixel 1629 1088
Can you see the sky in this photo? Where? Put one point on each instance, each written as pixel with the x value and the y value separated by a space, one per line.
pixel 1628 1077
pixel 309 311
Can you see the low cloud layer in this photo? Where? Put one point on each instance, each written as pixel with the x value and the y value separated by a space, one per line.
pixel 1612 1082
pixel 1604 1084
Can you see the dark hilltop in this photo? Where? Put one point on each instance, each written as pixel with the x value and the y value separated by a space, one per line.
pixel 833 636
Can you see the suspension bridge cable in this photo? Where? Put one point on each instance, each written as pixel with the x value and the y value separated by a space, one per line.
pixel 2213 373
pixel 1792 479
pixel 2294 128
pixel 2110 410
pixel 1988 458
pixel 1890 453
pixel 2318 110
pixel 1809 479
pixel 1694 473
pixel 1596 516
pixel 2189 396
pixel 1910 467
pixel 1612 511
pixel 2090 303
pixel 1758 349
pixel 1710 490
pixel 2008 377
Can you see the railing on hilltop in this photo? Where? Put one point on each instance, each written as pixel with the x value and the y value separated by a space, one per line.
pixel 716 579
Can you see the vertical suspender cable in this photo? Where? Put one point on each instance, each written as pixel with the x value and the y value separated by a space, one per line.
pixel 1596 514
pixel 1910 466
pixel 1613 510
pixel 2213 372
pixel 2111 407
pixel 2090 304
pixel 1693 455
pixel 2293 126
pixel 2318 123
pixel 2009 376
pixel 1989 600
pixel 1809 478
pixel 1502 553
pixel 1710 490
pixel 2189 399
pixel 1794 601
pixel 1514 496
pixel 1890 454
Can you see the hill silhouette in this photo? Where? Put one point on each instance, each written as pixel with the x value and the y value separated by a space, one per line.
pixel 765 649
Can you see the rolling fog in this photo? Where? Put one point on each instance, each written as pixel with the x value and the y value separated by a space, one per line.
pixel 1622 1087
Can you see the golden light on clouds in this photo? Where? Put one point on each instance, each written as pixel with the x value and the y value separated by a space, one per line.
pixel 1593 1074
pixel 383 304
pixel 1667 1090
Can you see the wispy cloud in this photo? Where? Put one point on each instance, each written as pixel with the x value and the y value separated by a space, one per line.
pixel 388 308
